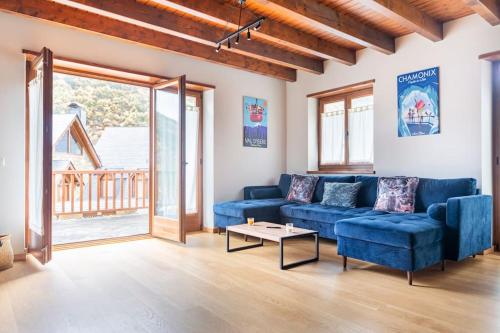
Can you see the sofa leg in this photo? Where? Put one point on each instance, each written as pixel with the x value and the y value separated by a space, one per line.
pixel 246 238
pixel 473 256
pixel 410 277
pixel 218 230
pixel 344 263
pixel 442 265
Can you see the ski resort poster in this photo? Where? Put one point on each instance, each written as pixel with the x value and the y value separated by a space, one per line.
pixel 418 103
pixel 254 122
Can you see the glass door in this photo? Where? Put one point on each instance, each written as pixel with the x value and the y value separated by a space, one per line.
pixel 39 156
pixel 168 199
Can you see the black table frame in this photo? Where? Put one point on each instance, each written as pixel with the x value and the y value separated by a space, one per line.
pixel 281 244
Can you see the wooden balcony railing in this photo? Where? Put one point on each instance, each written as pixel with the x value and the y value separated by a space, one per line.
pixel 99 192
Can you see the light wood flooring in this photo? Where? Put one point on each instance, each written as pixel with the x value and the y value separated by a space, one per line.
pixel 156 286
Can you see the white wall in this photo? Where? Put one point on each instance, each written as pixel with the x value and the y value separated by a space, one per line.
pixel 234 166
pixel 456 152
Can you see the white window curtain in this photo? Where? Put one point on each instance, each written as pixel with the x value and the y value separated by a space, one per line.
pixel 35 91
pixel 192 126
pixel 333 133
pixel 361 130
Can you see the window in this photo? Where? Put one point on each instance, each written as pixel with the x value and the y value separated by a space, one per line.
pixel 67 144
pixel 345 122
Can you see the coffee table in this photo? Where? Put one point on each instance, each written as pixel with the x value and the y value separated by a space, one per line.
pixel 269 231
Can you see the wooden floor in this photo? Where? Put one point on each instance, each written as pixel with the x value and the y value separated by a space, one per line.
pixel 156 286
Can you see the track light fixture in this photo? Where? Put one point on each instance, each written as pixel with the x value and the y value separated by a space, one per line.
pixel 241 29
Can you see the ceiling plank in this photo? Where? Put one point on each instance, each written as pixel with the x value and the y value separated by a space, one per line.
pixel 218 11
pixel 327 19
pixel 407 16
pixel 488 9
pixel 168 22
pixel 77 18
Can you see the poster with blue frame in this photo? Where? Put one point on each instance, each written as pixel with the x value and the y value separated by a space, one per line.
pixel 254 122
pixel 418 103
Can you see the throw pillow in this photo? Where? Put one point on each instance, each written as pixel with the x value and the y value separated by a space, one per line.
pixel 341 194
pixel 396 194
pixel 302 188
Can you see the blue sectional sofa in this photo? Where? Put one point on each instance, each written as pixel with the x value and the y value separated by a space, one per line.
pixel 451 221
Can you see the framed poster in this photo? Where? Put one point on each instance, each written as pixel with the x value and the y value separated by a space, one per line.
pixel 418 103
pixel 254 122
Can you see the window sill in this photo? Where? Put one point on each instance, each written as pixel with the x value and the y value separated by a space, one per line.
pixel 344 169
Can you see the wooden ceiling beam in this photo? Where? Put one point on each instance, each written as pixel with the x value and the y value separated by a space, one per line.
pixel 407 16
pixel 488 9
pixel 168 22
pixel 339 24
pixel 81 19
pixel 225 15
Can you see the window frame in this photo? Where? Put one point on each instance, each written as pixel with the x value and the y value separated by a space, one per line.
pixel 347 166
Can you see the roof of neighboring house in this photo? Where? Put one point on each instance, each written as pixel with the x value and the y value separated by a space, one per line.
pixel 62 122
pixel 124 148
pixel 62 165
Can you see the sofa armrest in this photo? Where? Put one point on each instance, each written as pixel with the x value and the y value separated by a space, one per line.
pixel 468 226
pixel 261 192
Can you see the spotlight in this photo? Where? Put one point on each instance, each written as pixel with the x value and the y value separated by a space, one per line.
pixel 237 41
pixel 218 48
pixel 228 43
pixel 248 35
pixel 257 27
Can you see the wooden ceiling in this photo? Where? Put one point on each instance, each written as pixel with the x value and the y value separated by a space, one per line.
pixel 296 35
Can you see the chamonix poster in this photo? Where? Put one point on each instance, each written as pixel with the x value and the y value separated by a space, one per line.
pixel 418 103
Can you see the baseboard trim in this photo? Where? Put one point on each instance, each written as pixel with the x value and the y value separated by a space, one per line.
pixel 20 256
pixel 212 230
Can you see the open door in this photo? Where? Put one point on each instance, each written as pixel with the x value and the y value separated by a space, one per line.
pixel 168 138
pixel 39 156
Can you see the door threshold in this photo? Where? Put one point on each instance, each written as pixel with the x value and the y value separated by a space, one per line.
pixel 98 242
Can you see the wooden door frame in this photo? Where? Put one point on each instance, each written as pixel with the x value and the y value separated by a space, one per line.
pixel 496 152
pixel 45 255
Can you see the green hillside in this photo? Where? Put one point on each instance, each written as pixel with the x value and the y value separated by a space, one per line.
pixel 106 103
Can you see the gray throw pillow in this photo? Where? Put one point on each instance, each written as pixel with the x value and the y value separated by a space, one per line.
pixel 341 194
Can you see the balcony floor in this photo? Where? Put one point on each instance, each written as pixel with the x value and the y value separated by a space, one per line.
pixel 102 227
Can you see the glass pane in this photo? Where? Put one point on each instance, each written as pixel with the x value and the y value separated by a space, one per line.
pixel 192 129
pixel 361 130
pixel 333 133
pixel 75 146
pixel 167 154
pixel 62 144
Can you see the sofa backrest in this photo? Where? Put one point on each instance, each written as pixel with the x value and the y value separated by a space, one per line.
pixel 320 185
pixel 368 192
pixel 286 180
pixel 431 191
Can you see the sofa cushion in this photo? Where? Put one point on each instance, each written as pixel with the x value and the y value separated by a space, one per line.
pixel 320 186
pixel 322 213
pixel 431 191
pixel 302 188
pixel 396 194
pixel 341 194
pixel 265 193
pixel 437 211
pixel 250 208
pixel 368 192
pixel 399 230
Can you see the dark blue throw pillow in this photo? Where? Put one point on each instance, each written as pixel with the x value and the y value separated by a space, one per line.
pixel 437 211
pixel 341 194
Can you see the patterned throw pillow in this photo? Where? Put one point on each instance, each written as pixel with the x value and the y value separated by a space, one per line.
pixel 396 194
pixel 302 188
pixel 341 194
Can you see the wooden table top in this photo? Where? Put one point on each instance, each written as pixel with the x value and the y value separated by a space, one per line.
pixel 261 230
